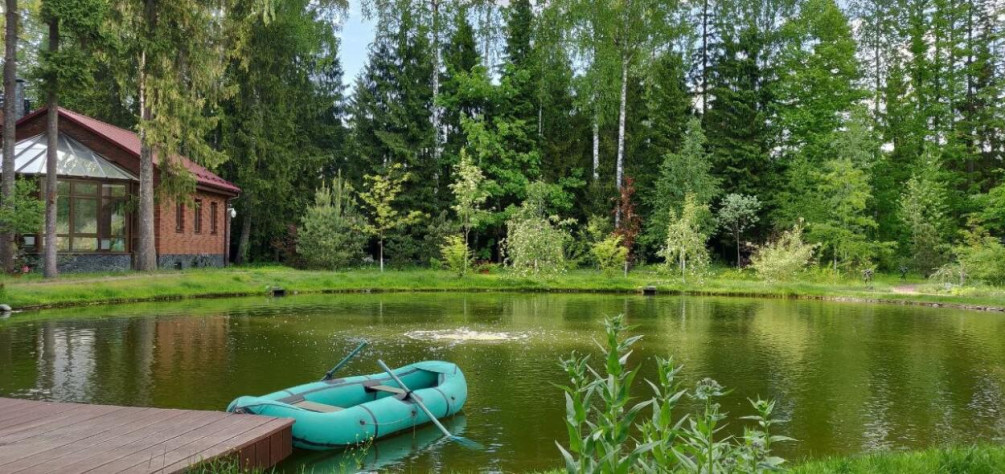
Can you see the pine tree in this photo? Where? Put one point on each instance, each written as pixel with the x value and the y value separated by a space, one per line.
pixel 924 212
pixel 282 129
pixel 79 22
pixel 170 63
pixel 687 172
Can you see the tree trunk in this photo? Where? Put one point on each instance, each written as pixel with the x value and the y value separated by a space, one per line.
pixel 381 255
pixel 704 57
pixel 437 111
pixel 737 234
pixel 620 166
pixel 146 253
pixel 245 237
pixel 9 122
pixel 49 267
pixel 596 146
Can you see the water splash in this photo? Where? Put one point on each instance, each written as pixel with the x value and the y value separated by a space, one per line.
pixel 464 334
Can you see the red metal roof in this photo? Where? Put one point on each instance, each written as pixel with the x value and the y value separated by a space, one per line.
pixel 130 142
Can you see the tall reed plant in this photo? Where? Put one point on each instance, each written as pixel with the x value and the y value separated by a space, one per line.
pixel 610 433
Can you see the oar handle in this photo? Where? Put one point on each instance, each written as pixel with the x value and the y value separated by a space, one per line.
pixel 414 398
pixel 330 373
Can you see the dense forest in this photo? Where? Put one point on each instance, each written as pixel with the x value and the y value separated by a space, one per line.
pixel 875 129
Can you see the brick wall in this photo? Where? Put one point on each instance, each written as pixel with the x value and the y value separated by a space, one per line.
pixel 171 241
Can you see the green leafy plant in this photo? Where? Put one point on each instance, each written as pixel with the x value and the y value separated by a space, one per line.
pixel 534 240
pixel 685 244
pixel 456 254
pixel 382 191
pixel 608 434
pixel 979 257
pixel 784 257
pixel 610 255
pixel 24 215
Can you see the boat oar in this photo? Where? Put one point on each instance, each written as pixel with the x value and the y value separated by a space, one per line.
pixel 462 440
pixel 330 373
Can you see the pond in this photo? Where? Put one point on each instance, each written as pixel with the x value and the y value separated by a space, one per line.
pixel 848 377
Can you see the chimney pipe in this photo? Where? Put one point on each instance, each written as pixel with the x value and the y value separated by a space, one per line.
pixel 20 103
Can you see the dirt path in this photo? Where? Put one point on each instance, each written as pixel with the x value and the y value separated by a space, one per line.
pixel 906 289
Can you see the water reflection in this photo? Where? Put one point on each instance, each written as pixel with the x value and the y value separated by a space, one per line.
pixel 848 377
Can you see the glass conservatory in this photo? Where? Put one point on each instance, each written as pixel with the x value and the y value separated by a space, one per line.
pixel 94 196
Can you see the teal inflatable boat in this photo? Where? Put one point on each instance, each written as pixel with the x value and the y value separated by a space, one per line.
pixel 343 412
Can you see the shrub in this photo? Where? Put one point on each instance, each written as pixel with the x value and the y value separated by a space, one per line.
pixel 979 257
pixel 781 259
pixel 605 437
pixel 456 254
pixel 610 255
pixel 579 252
pixel 535 241
pixel 330 236
pixel 685 245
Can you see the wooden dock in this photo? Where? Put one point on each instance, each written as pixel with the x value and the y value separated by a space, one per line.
pixel 48 437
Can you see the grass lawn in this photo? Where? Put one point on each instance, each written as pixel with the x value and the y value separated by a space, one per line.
pixel 31 291
pixel 954 460
pixel 971 459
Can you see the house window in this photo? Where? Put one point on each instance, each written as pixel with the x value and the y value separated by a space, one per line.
pixel 179 218
pixel 212 218
pixel 90 217
pixel 197 225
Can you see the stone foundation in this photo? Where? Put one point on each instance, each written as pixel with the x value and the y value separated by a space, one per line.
pixel 90 263
pixel 183 261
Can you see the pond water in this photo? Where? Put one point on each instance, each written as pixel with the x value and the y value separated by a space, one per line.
pixel 848 377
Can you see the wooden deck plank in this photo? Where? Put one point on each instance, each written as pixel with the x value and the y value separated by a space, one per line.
pixel 190 448
pixel 178 425
pixel 69 453
pixel 54 439
pixel 32 414
pixel 195 453
pixel 69 426
pixel 50 437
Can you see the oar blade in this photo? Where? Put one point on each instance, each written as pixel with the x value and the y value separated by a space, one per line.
pixel 467 443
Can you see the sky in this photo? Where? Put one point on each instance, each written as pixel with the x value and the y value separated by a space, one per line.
pixel 357 33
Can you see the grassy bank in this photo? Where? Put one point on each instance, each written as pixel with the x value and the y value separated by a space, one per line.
pixel 961 459
pixel 969 459
pixel 32 292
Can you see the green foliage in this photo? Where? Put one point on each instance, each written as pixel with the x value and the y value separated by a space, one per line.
pixel 738 214
pixel 845 192
pixel 685 244
pixel 25 213
pixel 688 171
pixel 610 255
pixel 602 421
pixel 580 249
pixel 469 194
pixel 456 254
pixel 280 128
pixel 992 213
pixel 382 191
pixel 979 257
pixel 784 257
pixel 330 237
pixel 534 240
pixel 924 212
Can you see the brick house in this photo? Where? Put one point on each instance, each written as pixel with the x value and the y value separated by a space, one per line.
pixel 99 165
